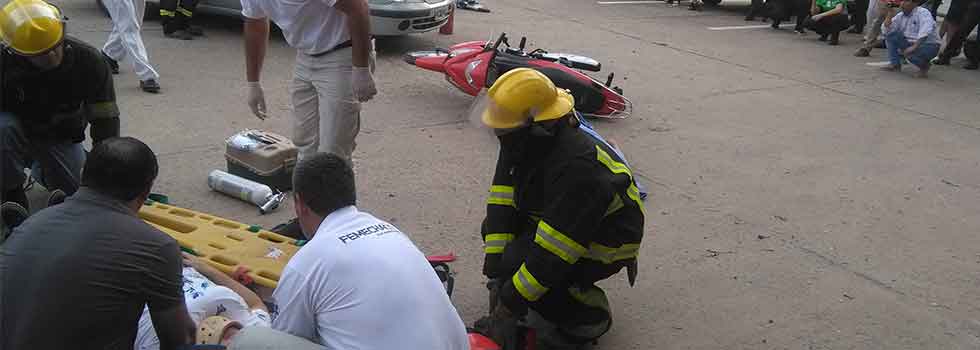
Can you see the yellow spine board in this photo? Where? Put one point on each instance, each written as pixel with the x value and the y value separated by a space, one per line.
pixel 225 244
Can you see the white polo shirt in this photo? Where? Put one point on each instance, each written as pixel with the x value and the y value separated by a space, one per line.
pixel 310 26
pixel 204 299
pixel 360 283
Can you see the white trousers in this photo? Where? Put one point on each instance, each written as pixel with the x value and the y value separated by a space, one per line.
pixel 326 117
pixel 125 39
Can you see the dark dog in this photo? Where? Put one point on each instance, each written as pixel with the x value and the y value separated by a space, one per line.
pixel 783 10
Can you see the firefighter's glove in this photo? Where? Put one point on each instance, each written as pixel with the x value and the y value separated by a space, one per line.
pixel 503 327
pixel 363 84
pixel 256 99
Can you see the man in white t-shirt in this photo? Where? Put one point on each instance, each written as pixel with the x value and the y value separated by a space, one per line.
pixel 359 283
pixel 208 292
pixel 332 76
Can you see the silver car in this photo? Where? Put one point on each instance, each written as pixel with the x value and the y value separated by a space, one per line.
pixel 388 17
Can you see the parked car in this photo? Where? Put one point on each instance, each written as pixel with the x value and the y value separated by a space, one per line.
pixel 388 17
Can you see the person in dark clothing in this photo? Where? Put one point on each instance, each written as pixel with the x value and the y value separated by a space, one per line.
pixel 962 21
pixel 87 267
pixel 563 213
pixel 52 87
pixel 756 9
pixel 828 18
pixel 176 18
pixel 859 15
pixel 783 10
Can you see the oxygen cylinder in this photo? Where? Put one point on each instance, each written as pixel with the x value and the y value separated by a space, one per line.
pixel 247 190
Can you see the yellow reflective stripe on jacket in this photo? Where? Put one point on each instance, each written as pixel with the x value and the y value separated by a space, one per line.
pixel 185 12
pixel 167 13
pixel 620 168
pixel 494 243
pixel 557 243
pixel 614 205
pixel 501 195
pixel 527 285
pixel 610 255
pixel 612 164
pixel 634 194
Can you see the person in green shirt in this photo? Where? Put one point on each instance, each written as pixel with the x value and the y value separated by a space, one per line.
pixel 828 18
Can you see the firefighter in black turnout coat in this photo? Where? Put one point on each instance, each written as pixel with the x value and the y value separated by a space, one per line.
pixel 563 213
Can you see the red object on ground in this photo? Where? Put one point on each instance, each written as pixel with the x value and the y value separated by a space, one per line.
pixel 441 258
pixel 480 342
pixel 448 27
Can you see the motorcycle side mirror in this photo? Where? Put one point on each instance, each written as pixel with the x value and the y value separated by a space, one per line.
pixel 523 41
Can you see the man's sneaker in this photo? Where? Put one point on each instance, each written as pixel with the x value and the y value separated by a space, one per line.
pixel 150 85
pixel 972 65
pixel 113 64
pixel 941 61
pixel 13 214
pixel 863 52
pixel 56 197
pixel 180 34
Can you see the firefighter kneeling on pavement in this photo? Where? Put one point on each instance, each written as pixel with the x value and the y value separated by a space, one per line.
pixel 563 213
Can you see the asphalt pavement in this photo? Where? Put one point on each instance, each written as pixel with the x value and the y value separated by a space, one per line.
pixel 800 197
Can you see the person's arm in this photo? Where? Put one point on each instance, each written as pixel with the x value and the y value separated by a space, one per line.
pixel 359 25
pixel 101 110
pixel 834 11
pixel 889 20
pixel 571 219
pixel 251 299
pixel 499 226
pixel 256 41
pixel 173 326
pixel 165 299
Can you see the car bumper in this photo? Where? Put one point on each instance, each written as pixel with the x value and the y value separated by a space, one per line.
pixel 408 18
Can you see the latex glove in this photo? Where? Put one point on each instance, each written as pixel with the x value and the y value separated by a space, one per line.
pixel 363 84
pixel 256 99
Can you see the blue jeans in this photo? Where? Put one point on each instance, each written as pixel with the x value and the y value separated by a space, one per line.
pixel 896 44
pixel 55 165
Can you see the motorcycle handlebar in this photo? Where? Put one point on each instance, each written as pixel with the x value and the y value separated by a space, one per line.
pixel 503 36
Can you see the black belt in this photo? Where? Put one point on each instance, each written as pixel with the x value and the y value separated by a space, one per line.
pixel 342 45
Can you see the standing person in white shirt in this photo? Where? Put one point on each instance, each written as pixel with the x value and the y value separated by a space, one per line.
pixel 125 40
pixel 208 292
pixel 359 283
pixel 333 72
pixel 912 35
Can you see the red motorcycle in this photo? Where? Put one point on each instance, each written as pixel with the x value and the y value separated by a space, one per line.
pixel 475 65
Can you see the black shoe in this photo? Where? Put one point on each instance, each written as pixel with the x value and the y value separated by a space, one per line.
pixel 13 215
pixel 180 34
pixel 863 52
pixel 823 37
pixel 56 197
pixel 194 30
pixel 290 229
pixel 113 64
pixel 941 61
pixel 150 85
pixel 972 65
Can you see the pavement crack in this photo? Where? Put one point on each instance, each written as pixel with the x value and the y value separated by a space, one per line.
pixel 834 263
